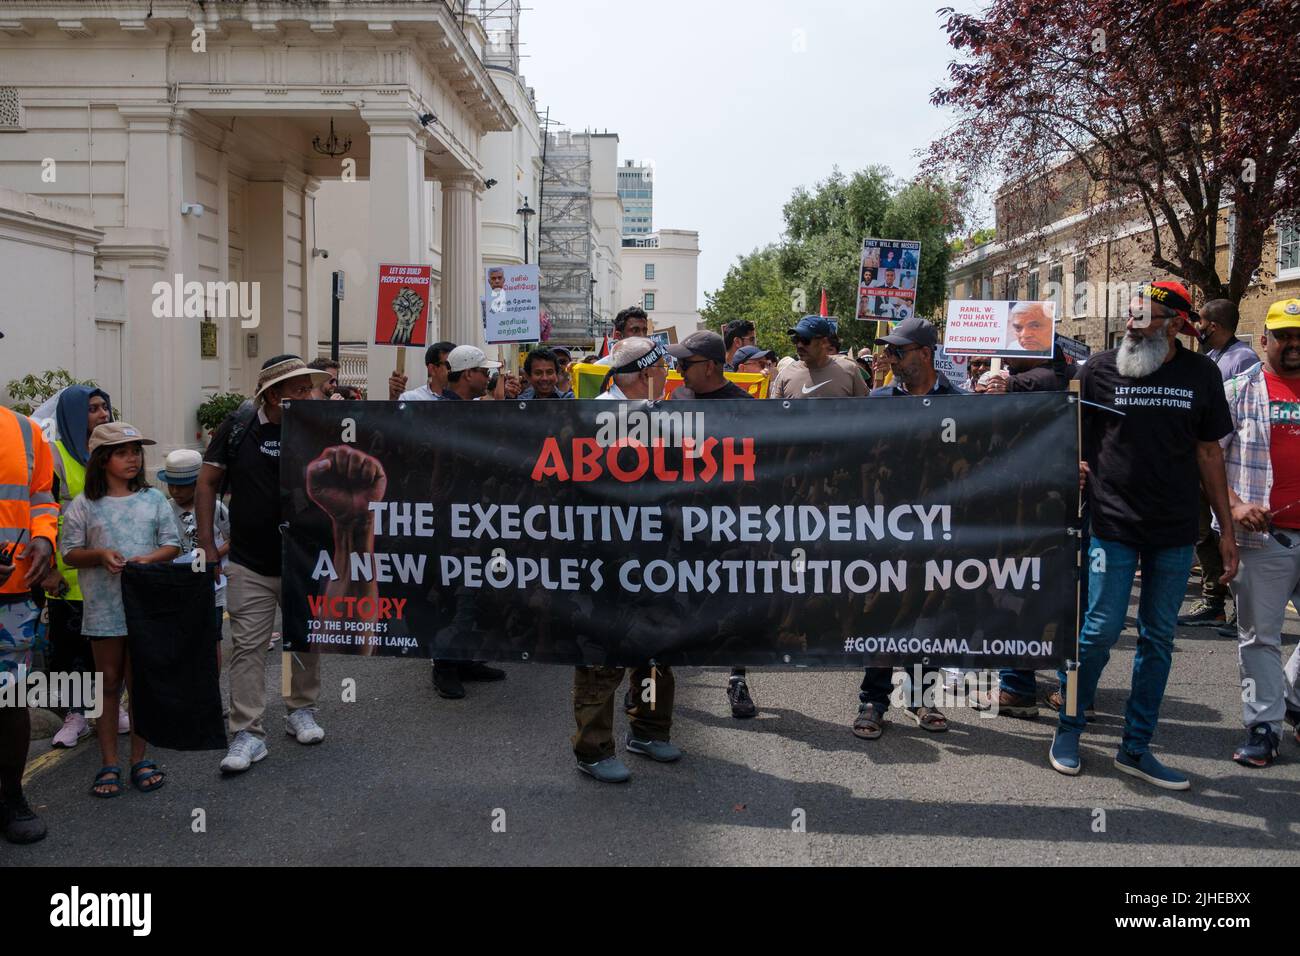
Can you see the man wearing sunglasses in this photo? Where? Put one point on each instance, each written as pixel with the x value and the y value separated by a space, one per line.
pixel 910 345
pixel 736 335
pixel 1262 455
pixel 701 358
pixel 817 374
pixel 1153 417
pixel 468 373
pixel 435 362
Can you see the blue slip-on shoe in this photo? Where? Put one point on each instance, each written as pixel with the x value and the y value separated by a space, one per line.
pixel 659 750
pixel 1146 767
pixel 1064 755
pixel 609 770
pixel 1260 748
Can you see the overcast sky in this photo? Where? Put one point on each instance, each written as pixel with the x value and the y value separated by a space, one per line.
pixel 734 115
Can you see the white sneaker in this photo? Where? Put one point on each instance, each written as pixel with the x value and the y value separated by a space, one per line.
pixel 245 750
pixel 302 725
pixel 123 720
pixel 73 729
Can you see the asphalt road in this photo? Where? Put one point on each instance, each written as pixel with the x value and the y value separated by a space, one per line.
pixel 404 777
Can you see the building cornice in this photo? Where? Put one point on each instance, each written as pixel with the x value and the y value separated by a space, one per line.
pixel 431 27
pixel 133 247
pixel 47 234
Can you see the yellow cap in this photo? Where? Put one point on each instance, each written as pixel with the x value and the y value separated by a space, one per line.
pixel 1283 315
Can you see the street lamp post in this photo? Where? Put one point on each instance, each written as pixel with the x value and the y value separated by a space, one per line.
pixel 527 212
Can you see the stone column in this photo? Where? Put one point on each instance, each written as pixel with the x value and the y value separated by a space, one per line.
pixel 396 236
pixel 161 372
pixel 462 271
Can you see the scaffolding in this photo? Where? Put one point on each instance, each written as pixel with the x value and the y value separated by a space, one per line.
pixel 564 237
pixel 500 19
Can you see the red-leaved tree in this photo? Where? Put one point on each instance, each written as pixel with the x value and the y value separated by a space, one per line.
pixel 1166 109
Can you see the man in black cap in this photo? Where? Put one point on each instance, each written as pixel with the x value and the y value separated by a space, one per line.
pixel 910 346
pixel 700 359
pixel 817 374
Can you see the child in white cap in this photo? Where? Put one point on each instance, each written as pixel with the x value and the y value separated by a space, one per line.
pixel 180 473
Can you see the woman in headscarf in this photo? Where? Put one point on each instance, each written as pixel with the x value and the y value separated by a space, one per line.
pixel 79 409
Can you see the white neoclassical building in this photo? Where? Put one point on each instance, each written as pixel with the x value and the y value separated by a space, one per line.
pixel 511 171
pixel 141 140
pixel 661 272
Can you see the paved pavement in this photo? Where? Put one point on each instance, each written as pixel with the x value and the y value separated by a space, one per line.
pixel 404 777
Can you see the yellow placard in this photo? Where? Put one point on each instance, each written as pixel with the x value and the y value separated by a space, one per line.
pixel 587 380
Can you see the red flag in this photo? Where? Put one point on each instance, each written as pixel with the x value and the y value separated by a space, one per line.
pixel 825 312
pixel 604 347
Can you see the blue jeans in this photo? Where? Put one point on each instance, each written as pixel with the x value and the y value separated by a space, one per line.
pixel 1111 567
pixel 1020 683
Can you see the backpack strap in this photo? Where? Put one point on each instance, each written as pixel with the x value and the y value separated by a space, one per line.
pixel 242 419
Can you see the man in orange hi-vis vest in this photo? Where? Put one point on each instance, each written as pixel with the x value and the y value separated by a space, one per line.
pixel 29 525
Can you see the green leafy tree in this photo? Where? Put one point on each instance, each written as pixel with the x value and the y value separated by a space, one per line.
pixel 26 394
pixel 821 249
pixel 923 211
pixel 754 290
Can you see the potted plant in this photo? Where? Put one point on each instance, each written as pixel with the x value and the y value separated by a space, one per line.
pixel 214 411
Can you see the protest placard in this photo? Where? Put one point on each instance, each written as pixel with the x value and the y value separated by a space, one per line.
pixel 512 307
pixel 402 313
pixel 1000 329
pixel 720 533
pixel 887 274
pixel 954 367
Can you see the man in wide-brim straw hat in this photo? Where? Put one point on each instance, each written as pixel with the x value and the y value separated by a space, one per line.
pixel 244 454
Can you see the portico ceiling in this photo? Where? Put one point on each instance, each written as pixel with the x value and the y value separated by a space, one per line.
pixel 286 137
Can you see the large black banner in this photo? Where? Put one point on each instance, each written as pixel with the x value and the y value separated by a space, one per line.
pixel 746 532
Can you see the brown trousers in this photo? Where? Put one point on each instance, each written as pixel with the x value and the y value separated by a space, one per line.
pixel 1207 553
pixel 593 707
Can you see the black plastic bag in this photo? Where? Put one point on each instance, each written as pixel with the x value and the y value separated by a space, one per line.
pixel 172 637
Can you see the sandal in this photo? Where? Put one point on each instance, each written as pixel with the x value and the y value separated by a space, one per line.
pixel 100 781
pixel 146 770
pixel 928 718
pixel 870 723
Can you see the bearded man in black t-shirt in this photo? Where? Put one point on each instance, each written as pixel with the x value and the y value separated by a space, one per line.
pixel 1153 415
